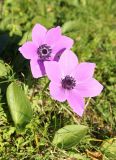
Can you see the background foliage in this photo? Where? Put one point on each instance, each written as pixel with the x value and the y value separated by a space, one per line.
pixel 92 24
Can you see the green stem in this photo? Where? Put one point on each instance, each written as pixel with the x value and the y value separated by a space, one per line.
pixel 46 86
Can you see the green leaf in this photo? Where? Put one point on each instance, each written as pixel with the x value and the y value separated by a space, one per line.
pixel 19 105
pixel 3 69
pixel 78 156
pixel 69 136
pixel 109 148
pixel 70 26
pixel 26 37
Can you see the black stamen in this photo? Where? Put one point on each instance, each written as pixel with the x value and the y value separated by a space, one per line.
pixel 68 82
pixel 44 51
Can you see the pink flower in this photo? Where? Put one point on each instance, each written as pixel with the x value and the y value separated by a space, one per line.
pixel 45 46
pixel 72 81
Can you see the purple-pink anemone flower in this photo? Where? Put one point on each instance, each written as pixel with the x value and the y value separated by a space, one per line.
pixel 72 81
pixel 46 45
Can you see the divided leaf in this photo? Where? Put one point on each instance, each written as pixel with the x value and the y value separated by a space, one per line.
pixel 3 69
pixel 69 136
pixel 19 105
pixel 109 148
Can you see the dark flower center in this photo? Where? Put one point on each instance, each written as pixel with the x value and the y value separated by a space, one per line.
pixel 44 51
pixel 68 82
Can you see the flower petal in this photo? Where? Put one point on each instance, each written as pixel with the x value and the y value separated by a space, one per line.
pixel 28 50
pixel 57 92
pixel 38 34
pixel 53 35
pixel 68 61
pixel 37 68
pixel 53 71
pixel 89 88
pixel 63 43
pixel 84 71
pixel 76 102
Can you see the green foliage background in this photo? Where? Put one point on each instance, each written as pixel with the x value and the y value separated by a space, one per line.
pixel 92 24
